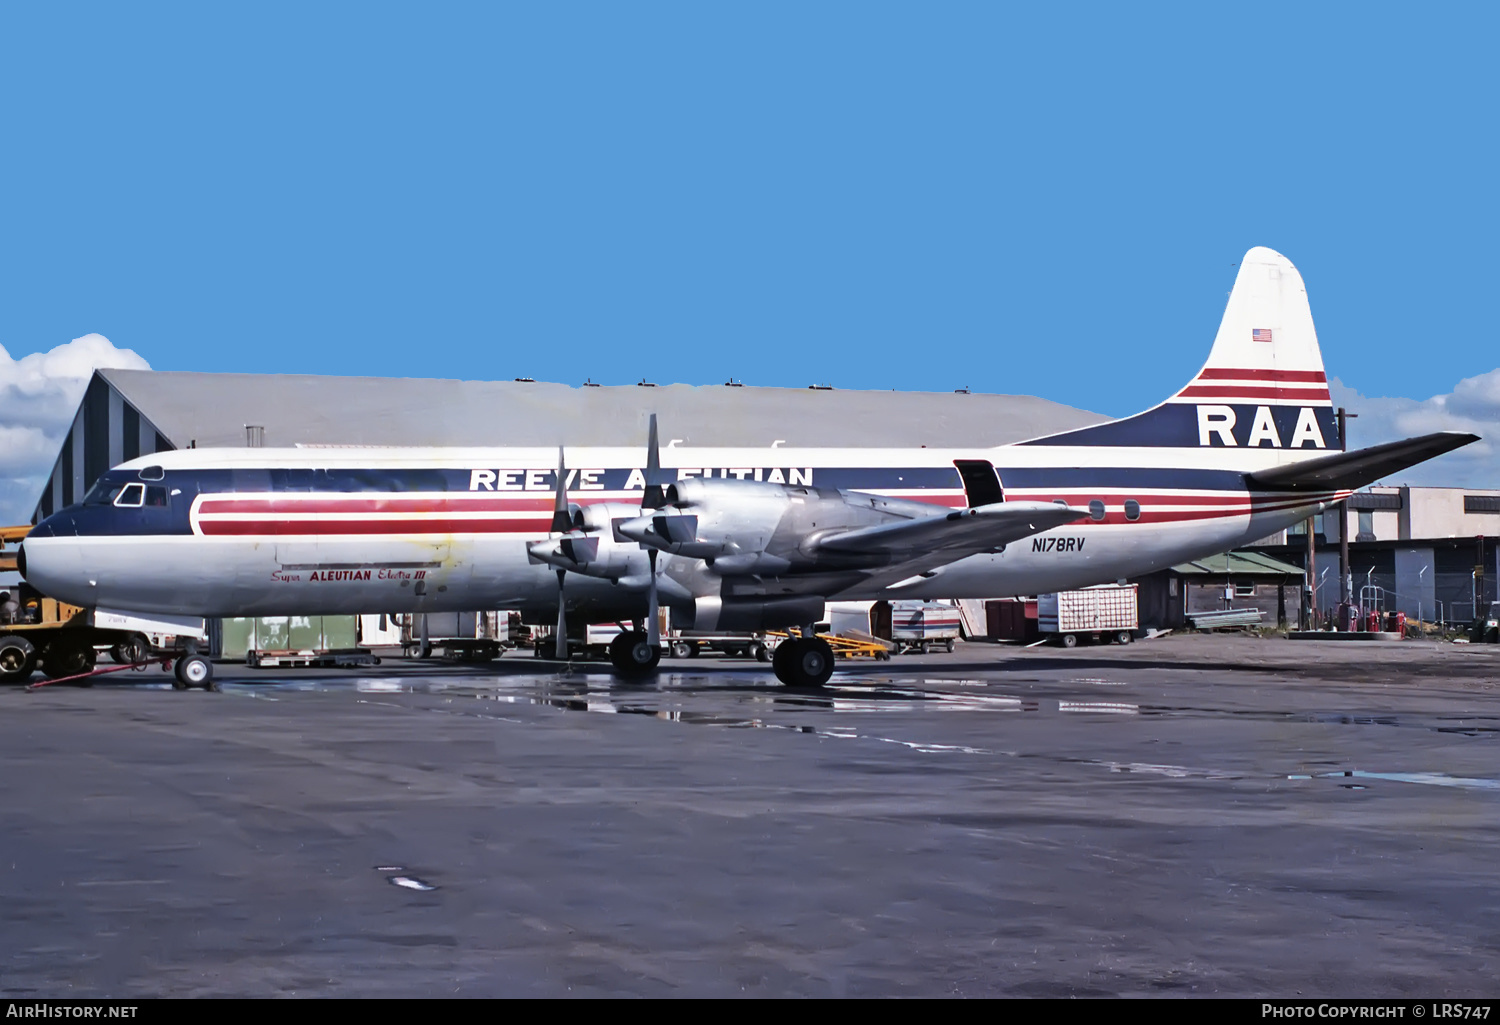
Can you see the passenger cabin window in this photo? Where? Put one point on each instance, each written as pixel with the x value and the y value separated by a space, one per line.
pixel 1132 509
pixel 1096 510
pixel 131 496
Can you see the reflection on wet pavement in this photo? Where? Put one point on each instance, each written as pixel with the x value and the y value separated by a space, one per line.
pixel 740 700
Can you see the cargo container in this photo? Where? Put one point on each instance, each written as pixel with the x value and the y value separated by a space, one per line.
pixel 924 625
pixel 1101 614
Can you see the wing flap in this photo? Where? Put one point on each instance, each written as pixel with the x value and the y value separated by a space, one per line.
pixel 1348 470
pixel 956 534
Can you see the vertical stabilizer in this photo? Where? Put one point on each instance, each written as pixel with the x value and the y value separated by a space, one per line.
pixel 1263 386
pixel 1266 348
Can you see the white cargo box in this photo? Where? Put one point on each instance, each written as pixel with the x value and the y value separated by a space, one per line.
pixel 1105 609
pixel 924 621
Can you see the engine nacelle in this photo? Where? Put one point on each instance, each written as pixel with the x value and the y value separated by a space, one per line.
pixel 590 547
pixel 755 614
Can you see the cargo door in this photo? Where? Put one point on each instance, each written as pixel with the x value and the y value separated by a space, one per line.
pixel 981 482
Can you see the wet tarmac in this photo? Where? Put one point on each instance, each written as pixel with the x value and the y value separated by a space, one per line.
pixel 1194 816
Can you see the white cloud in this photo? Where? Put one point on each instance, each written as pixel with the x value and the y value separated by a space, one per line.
pixel 1473 406
pixel 39 394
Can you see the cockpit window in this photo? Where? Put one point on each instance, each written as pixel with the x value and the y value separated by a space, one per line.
pixel 156 496
pixel 103 493
pixel 131 496
pixel 152 473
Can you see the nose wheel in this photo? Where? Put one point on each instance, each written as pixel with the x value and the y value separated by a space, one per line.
pixel 193 671
pixel 633 655
pixel 803 662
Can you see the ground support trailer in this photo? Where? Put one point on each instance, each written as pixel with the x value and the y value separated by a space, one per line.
pixel 461 636
pixel 64 641
pixel 923 626
pixel 692 643
pixel 1104 614
pixel 307 658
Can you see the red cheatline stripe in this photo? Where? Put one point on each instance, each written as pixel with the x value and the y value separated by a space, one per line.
pixel 317 528
pixel 373 504
pixel 1217 391
pixel 1223 374
pixel 336 504
pixel 1152 498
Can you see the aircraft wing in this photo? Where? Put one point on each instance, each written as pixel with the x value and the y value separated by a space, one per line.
pixel 953 536
pixel 1346 470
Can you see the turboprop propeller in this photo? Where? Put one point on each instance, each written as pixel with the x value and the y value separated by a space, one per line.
pixel 653 497
pixel 562 522
pixel 574 546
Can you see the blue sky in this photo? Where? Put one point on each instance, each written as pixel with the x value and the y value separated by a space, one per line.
pixel 1043 199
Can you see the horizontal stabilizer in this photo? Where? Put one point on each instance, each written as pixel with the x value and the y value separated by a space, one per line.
pixel 1343 471
pixel 957 534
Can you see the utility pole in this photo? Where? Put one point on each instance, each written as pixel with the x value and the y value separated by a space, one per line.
pixel 1310 602
pixel 1345 597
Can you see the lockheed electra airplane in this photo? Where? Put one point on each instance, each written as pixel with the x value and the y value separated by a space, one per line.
pixel 730 539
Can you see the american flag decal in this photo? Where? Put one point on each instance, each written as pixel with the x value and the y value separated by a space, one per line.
pixel 1260 334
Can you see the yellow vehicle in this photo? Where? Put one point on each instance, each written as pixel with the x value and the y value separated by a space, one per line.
pixel 61 639
pixel 848 647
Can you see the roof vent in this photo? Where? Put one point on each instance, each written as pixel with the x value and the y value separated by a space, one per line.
pixel 255 436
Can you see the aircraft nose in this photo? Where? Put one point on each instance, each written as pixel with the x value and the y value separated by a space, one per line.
pixel 55 565
pixel 59 524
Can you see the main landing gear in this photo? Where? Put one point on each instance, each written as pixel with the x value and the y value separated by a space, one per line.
pixel 633 655
pixel 805 661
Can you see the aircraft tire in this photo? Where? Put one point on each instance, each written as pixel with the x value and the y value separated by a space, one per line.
pixel 17 659
pixel 632 656
pixel 193 671
pixel 807 664
pixel 780 655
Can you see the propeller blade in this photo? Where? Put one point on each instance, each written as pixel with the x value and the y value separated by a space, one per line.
pixel 653 619
pixel 653 497
pixel 561 648
pixel 562 519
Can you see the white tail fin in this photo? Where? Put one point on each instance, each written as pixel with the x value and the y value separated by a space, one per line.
pixel 1266 349
pixel 1263 386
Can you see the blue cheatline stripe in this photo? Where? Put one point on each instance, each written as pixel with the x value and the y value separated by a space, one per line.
pixel 1175 425
pixel 1144 477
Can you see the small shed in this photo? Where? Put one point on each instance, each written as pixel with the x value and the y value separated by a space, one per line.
pixel 1233 580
